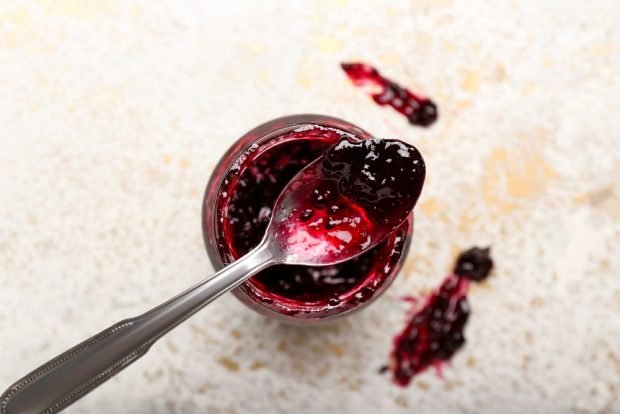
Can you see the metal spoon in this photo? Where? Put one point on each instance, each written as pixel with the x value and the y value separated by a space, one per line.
pixel 68 377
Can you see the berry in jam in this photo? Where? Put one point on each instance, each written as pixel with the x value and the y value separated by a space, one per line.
pixel 474 264
pixel 355 195
pixel 435 332
pixel 419 110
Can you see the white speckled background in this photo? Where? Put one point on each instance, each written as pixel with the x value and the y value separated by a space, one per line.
pixel 113 113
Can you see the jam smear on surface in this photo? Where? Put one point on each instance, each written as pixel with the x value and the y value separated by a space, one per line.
pixel 353 196
pixel 247 198
pixel 417 109
pixel 435 331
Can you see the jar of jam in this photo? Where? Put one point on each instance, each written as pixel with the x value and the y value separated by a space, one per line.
pixel 237 208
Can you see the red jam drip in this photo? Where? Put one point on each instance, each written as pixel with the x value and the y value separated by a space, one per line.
pixel 352 197
pixel 435 332
pixel 417 109
pixel 244 207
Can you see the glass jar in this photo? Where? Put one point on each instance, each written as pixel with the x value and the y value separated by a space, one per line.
pixel 237 207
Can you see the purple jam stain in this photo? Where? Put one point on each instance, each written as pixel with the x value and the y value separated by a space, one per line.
pixel 246 207
pixel 417 109
pixel 352 197
pixel 435 332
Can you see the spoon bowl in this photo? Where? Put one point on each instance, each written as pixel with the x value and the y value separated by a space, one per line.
pixel 346 202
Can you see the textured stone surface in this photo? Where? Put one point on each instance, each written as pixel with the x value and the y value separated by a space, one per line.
pixel 113 114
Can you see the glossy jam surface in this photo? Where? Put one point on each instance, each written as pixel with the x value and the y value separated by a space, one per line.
pixel 435 331
pixel 417 109
pixel 249 206
pixel 353 197
pixel 243 209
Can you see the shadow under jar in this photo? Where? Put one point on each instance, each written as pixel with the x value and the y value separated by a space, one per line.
pixel 237 207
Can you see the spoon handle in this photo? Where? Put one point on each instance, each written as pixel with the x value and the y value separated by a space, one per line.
pixel 71 375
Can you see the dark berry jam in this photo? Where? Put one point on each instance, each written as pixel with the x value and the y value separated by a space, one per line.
pixel 435 332
pixel 238 208
pixel 417 109
pixel 474 264
pixel 355 195
pixel 259 185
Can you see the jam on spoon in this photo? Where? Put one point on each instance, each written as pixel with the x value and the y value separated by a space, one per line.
pixel 349 199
